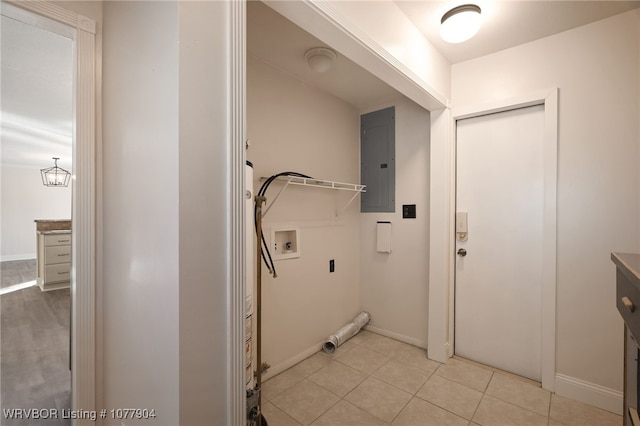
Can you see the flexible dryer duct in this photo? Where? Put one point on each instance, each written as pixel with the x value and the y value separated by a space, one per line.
pixel 346 332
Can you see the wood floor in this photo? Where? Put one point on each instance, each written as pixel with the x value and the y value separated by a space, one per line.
pixel 34 349
pixel 17 272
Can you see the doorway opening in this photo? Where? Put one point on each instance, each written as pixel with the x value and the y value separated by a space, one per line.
pixel 81 33
pixel 37 124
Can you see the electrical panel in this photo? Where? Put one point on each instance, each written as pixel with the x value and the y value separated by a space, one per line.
pixel 377 161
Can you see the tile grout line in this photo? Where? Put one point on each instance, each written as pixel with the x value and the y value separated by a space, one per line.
pixel 484 393
pixel 427 372
pixel 371 375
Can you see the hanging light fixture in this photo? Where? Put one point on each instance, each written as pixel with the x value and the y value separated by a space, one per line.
pixel 55 176
pixel 460 23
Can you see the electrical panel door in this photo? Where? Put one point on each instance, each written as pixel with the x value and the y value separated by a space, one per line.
pixel 377 160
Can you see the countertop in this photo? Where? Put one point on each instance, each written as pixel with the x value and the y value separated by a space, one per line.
pixel 629 265
pixel 55 231
pixel 47 225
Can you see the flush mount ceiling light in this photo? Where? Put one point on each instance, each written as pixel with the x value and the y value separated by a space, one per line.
pixel 460 23
pixel 55 176
pixel 320 59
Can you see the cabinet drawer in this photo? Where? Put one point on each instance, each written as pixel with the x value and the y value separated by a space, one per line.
pixel 57 254
pixel 628 303
pixel 57 273
pixel 57 239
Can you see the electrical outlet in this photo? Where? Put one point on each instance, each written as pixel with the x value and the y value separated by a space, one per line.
pixel 332 265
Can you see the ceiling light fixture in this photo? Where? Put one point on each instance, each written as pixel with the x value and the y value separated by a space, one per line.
pixel 320 59
pixel 55 176
pixel 460 23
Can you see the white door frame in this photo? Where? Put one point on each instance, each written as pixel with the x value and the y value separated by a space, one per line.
pixel 442 260
pixel 83 213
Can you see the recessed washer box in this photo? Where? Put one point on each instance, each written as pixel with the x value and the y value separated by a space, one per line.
pixel 285 242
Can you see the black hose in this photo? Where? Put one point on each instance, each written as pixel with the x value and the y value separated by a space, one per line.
pixel 263 190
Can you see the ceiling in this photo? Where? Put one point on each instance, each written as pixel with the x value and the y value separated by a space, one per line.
pixel 36 97
pixel 280 43
pixel 510 23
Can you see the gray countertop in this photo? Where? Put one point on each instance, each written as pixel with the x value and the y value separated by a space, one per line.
pixel 629 265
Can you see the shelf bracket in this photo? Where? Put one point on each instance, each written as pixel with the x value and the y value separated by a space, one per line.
pixel 348 203
pixel 275 198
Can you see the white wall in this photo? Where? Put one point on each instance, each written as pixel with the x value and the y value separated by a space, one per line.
pixel 394 286
pixel 168 266
pixel 25 199
pixel 211 385
pixel 596 70
pixel 141 199
pixel 293 127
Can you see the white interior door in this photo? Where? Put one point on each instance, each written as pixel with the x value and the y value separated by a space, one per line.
pixel 498 283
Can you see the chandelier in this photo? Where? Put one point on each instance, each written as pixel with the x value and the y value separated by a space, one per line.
pixel 55 176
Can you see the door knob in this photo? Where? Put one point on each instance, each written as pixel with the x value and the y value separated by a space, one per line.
pixel 462 252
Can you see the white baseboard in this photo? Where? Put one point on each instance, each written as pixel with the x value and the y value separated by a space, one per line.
pixel 11 257
pixel 280 367
pixel 589 393
pixel 400 337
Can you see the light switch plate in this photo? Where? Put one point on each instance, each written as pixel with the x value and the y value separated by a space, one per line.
pixel 408 211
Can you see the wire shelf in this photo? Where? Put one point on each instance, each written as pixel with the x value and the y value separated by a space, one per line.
pixel 321 183
pixel 317 183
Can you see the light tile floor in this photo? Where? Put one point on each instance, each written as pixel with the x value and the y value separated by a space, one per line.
pixel 373 380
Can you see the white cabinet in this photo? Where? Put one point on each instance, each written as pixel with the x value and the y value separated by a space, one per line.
pixel 54 259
